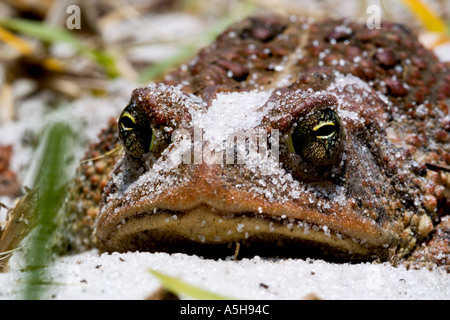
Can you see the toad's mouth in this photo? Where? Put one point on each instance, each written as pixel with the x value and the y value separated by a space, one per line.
pixel 206 231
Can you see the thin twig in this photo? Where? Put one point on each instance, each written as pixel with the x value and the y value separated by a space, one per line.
pixel 107 154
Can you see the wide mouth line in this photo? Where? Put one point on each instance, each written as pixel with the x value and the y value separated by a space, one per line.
pixel 181 231
pixel 261 216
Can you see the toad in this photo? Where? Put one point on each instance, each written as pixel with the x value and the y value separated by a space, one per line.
pixel 284 136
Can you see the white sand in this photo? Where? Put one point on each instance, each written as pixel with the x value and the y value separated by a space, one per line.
pixel 126 276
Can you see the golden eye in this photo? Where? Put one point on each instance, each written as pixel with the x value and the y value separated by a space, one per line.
pixel 135 131
pixel 318 138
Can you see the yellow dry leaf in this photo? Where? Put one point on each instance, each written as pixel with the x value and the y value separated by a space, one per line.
pixel 425 14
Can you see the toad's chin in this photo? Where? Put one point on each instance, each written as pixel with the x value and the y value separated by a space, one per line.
pixel 213 233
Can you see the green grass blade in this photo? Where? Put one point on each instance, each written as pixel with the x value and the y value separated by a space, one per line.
pixel 156 70
pixel 179 287
pixel 51 179
pixel 50 34
pixel 40 30
pixel 185 52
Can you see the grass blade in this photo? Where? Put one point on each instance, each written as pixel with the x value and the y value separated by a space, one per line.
pixel 50 34
pixel 156 70
pixel 185 52
pixel 51 179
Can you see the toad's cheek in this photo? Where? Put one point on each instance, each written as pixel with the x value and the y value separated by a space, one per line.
pixel 189 218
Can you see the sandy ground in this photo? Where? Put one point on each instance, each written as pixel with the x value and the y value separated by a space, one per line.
pixel 126 276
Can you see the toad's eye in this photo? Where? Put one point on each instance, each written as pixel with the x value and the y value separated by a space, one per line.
pixel 135 131
pixel 318 138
